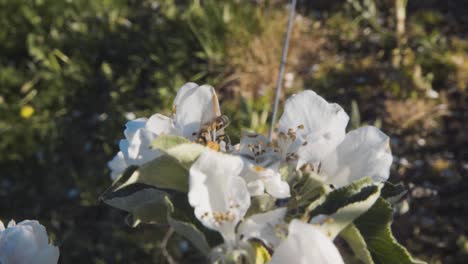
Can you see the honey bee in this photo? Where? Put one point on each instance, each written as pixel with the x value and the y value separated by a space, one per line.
pixel 213 131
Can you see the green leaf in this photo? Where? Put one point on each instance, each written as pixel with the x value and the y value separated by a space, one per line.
pixel 341 207
pixel 166 142
pixel 145 205
pixel 171 170
pixel 187 230
pixel 393 192
pixel 355 192
pixel 260 204
pixel 163 172
pixel 186 153
pixel 357 244
pixel 306 191
pixel 375 227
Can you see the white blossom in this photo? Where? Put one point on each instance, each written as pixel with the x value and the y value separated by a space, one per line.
pixel 364 152
pixel 217 192
pixel 194 107
pixel 306 244
pixel 312 131
pixel 25 243
pixel 267 227
pixel 261 167
pixel 310 128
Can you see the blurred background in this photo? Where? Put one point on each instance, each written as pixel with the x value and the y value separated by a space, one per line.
pixel 73 72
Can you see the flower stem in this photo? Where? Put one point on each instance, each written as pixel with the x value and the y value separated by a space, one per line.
pixel 163 246
pixel 282 65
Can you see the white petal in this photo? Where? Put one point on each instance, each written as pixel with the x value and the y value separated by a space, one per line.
pixel 256 187
pixel 2 226
pixel 117 165
pixel 256 147
pixel 11 223
pixel 277 188
pixel 132 127
pixel 123 146
pixel 216 189
pixel 306 244
pixel 18 244
pixel 195 106
pixel 260 179
pixel 139 151
pixel 324 124
pixel 263 226
pixel 160 124
pixel 39 231
pixel 48 255
pixel 365 152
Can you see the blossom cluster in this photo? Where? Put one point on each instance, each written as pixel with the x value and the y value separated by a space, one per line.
pixel 225 179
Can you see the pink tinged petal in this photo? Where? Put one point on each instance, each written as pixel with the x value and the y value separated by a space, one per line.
pixel 306 244
pixel 319 124
pixel 365 152
pixel 219 196
pixel 133 126
pixel 160 125
pixel 194 107
pixel 263 226
pixel 11 223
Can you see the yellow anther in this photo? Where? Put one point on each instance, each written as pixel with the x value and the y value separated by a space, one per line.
pixel 258 168
pixel 213 145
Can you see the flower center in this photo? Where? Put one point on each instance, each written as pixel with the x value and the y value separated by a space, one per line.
pixel 213 145
pixel 258 168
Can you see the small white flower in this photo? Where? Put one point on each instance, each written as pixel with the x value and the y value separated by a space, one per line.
pixel 194 107
pixel 267 227
pixel 261 171
pixel 310 128
pixel 306 244
pixel 25 243
pixel 365 152
pixel 218 194
pixel 260 179
pixel 312 131
pixel 135 148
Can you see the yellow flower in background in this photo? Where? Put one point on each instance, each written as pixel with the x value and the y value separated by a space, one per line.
pixel 26 111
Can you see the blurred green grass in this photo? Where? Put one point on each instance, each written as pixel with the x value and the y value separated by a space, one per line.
pixel 73 72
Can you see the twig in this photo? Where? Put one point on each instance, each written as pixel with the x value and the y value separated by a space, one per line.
pixel 282 65
pixel 163 246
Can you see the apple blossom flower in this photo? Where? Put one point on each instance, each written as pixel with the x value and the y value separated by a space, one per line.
pixel 195 108
pixel 267 227
pixel 310 128
pixel 261 167
pixel 364 152
pixel 306 244
pixel 26 242
pixel 312 131
pixel 218 194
